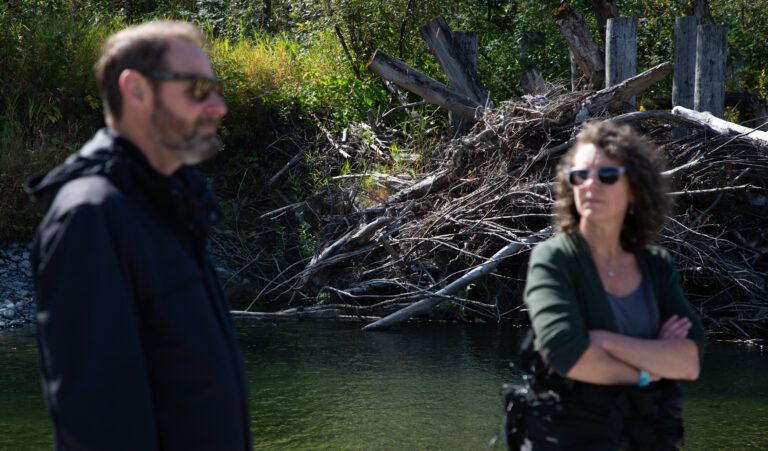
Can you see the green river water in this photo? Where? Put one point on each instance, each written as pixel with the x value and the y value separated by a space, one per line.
pixel 317 385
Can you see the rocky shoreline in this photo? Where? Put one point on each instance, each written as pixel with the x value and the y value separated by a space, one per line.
pixel 17 304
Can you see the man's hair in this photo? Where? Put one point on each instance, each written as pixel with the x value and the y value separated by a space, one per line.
pixel 142 48
pixel 643 164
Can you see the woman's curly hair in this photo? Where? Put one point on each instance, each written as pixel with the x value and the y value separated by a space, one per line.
pixel 643 163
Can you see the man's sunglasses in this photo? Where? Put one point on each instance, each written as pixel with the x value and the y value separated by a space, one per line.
pixel 202 85
pixel 608 175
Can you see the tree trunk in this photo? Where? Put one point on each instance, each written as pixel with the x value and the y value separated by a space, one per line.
pixel 588 56
pixel 604 10
pixel 700 9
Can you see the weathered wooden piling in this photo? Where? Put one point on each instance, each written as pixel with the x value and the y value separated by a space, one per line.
pixel 711 51
pixel 621 52
pixel 683 82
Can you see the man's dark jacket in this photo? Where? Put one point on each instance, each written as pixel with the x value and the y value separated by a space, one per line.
pixel 136 344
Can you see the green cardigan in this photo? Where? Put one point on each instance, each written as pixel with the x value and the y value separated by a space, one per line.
pixel 566 299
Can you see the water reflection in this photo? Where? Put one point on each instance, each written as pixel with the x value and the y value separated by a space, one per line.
pixel 331 386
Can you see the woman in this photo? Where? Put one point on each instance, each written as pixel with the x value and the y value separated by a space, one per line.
pixel 611 323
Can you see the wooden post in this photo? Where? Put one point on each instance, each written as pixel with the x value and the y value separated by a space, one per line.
pixel 621 52
pixel 684 79
pixel 711 48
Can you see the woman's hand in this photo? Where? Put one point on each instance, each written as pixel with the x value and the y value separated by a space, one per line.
pixel 675 327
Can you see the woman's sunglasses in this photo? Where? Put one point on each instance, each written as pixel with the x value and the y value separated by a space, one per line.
pixel 202 85
pixel 607 175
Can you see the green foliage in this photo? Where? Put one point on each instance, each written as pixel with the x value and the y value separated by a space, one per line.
pixel 286 67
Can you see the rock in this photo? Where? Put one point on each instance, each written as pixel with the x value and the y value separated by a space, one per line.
pixel 16 323
pixel 9 313
pixel 7 304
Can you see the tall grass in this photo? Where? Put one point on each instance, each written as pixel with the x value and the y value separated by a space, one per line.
pixel 50 105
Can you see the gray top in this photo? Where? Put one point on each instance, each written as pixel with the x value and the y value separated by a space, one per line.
pixel 637 314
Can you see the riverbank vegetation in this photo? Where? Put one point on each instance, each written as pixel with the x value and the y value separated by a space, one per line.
pixel 311 133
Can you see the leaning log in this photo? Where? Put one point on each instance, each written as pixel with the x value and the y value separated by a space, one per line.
pixel 431 90
pixel 586 53
pixel 425 305
pixel 613 98
pixel 756 137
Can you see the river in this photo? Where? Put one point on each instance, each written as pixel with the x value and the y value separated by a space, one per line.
pixel 322 385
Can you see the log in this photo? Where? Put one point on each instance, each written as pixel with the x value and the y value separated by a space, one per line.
pixel 723 127
pixel 425 305
pixel 621 52
pixel 405 76
pixel 586 53
pixel 750 105
pixel 711 49
pixel 309 313
pixel 612 98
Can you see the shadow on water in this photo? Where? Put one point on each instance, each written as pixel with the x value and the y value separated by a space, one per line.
pixel 331 386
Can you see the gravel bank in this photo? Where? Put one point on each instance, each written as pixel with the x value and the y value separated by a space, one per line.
pixel 17 305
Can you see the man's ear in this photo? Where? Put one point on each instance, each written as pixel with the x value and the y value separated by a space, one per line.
pixel 135 89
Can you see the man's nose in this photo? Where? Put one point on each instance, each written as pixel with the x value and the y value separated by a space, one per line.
pixel 215 105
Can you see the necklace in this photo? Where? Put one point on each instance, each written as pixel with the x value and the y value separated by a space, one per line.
pixel 608 264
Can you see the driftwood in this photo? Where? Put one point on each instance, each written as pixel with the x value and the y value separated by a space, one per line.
pixel 405 76
pixel 756 137
pixel 613 98
pixel 425 305
pixel 583 48
pixel 310 313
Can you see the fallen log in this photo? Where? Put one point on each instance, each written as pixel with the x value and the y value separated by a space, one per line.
pixel 425 305
pixel 405 76
pixel 723 127
pixel 588 56
pixel 302 314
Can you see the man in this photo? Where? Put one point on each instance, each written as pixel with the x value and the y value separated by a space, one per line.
pixel 136 344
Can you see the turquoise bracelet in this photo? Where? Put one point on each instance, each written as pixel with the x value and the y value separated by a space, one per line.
pixel 644 380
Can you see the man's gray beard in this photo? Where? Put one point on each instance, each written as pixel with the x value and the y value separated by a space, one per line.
pixel 194 149
pixel 191 148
